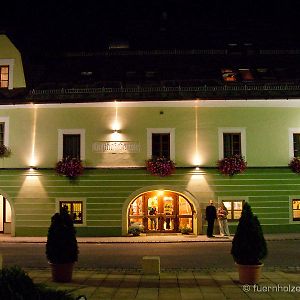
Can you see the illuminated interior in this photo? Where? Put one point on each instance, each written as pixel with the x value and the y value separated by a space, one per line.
pixel 5 215
pixel 296 210
pixel 161 211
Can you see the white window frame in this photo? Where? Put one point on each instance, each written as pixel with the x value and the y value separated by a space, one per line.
pixel 171 131
pixel 291 198
pixel 10 63
pixel 5 120
pixel 232 198
pixel 291 140
pixel 67 199
pixel 241 130
pixel 61 133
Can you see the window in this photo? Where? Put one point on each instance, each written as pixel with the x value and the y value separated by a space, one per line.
pixel 234 208
pixel 232 141
pixel 71 142
pixel 161 143
pixel 296 144
pixel 76 208
pixel 71 145
pixel 2 127
pixel 296 209
pixel 231 144
pixel 4 131
pixel 4 76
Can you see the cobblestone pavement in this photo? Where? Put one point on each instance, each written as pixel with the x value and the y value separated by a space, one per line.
pixel 181 284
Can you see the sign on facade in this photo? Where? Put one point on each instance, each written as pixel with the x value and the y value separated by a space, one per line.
pixel 116 147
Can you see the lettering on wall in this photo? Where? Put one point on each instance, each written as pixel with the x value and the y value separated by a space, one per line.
pixel 116 147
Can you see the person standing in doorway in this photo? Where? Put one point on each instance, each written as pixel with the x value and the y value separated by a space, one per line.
pixel 222 213
pixel 210 216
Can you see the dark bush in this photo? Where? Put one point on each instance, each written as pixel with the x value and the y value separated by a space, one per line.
pixel 15 284
pixel 249 245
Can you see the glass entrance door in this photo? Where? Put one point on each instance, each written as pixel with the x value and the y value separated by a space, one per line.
pixel 161 211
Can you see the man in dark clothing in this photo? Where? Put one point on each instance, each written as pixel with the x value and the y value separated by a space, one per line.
pixel 211 215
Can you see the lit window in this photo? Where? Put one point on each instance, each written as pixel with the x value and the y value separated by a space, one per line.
pixel 4 78
pixel 234 208
pixel 75 209
pixel 229 75
pixel 296 209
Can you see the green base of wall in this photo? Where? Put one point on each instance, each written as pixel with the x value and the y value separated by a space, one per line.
pixel 81 231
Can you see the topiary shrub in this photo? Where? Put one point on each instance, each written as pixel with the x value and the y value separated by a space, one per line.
pixel 248 245
pixel 61 246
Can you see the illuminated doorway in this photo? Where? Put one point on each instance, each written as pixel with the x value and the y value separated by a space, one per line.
pixel 161 211
pixel 5 215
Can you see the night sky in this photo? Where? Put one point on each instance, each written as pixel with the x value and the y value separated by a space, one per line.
pixel 148 24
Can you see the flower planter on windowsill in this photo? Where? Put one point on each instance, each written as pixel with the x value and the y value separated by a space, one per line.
pixel 232 165
pixel 295 165
pixel 69 167
pixel 160 166
pixel 4 151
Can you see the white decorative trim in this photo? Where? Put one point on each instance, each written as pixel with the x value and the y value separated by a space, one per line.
pixel 83 200
pixel 291 198
pixel 241 130
pixel 179 103
pixel 291 141
pixel 10 63
pixel 5 120
pixel 61 132
pixel 171 131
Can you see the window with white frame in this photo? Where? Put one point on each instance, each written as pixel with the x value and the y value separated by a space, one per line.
pixel 71 143
pixel 294 142
pixel 75 207
pixel 161 143
pixel 232 141
pixel 234 206
pixel 6 73
pixel 4 130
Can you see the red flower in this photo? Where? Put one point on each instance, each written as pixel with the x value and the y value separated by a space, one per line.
pixel 70 167
pixel 160 166
pixel 295 164
pixel 232 165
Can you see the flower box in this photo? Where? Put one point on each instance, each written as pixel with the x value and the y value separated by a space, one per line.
pixel 232 165
pixel 160 166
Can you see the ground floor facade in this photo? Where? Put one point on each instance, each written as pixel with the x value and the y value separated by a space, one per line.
pixel 105 202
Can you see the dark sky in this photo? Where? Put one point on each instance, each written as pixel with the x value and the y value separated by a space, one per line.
pixel 174 23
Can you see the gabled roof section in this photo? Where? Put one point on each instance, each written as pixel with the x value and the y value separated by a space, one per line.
pixel 11 57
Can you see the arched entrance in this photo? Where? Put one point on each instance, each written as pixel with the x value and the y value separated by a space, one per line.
pixel 5 215
pixel 161 211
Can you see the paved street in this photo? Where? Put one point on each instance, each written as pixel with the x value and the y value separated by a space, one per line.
pixel 128 255
pixel 198 268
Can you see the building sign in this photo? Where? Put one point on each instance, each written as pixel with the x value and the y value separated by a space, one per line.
pixel 116 147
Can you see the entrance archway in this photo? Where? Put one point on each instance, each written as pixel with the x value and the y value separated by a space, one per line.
pixel 161 211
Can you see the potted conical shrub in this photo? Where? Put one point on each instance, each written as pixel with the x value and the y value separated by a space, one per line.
pixel 61 246
pixel 249 247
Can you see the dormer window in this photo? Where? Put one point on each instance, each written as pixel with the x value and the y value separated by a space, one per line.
pixel 4 76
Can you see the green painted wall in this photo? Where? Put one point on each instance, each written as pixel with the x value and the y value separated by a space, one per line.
pixel 33 195
pixel 33 131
